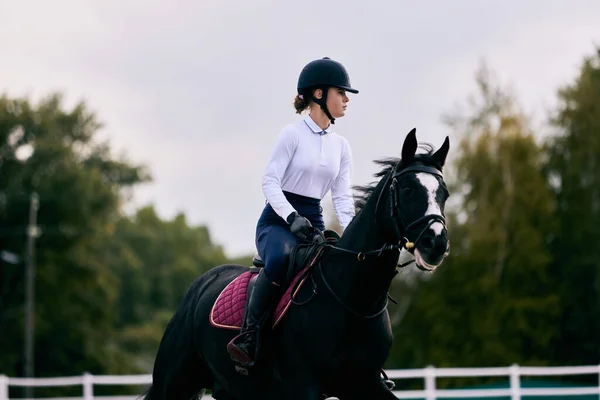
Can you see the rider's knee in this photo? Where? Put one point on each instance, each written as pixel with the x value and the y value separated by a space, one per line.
pixel 274 256
pixel 275 265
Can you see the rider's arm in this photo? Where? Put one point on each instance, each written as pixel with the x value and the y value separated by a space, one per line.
pixel 341 191
pixel 280 158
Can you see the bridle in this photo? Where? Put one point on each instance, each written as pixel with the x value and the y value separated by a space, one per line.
pixel 400 227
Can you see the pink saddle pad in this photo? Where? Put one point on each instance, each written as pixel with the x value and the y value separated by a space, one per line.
pixel 228 310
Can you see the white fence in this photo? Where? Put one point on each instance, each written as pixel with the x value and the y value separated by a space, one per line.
pixel 429 375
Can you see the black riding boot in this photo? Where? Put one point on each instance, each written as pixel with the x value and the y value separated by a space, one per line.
pixel 242 348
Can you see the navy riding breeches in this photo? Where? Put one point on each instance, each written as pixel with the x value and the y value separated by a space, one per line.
pixel 273 237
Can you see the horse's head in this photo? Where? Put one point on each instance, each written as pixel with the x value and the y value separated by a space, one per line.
pixel 416 199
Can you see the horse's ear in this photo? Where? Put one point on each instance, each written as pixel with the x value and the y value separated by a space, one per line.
pixel 440 155
pixel 409 148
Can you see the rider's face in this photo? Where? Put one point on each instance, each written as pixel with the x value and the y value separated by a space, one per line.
pixel 337 101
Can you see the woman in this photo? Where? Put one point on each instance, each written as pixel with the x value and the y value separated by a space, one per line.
pixel 308 161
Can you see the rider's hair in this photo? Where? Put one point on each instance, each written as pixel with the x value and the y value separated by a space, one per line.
pixel 301 103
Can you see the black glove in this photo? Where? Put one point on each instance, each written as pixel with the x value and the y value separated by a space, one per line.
pixel 300 226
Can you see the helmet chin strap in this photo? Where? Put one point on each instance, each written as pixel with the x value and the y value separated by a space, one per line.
pixel 323 103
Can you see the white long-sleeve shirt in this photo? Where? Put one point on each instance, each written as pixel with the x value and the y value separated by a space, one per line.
pixel 309 161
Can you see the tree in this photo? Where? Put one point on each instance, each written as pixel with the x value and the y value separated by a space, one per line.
pixel 574 169
pixel 55 153
pixel 492 302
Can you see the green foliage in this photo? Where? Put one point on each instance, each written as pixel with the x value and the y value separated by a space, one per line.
pixel 78 184
pixel 522 282
pixel 574 168
pixel 489 304
pixel 106 283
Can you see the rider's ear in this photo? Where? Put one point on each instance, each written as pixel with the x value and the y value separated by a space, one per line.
pixel 409 148
pixel 440 155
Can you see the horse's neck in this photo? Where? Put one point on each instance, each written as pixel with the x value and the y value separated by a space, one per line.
pixel 363 283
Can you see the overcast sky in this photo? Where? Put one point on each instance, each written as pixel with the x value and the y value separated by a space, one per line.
pixel 199 90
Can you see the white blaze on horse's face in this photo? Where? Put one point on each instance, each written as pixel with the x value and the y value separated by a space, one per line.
pixel 432 185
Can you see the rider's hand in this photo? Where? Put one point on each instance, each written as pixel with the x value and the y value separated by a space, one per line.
pixel 300 226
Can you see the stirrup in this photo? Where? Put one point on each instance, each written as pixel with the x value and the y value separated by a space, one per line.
pixel 239 356
pixel 242 336
pixel 236 354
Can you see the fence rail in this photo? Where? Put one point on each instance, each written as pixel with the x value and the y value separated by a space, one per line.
pixel 514 391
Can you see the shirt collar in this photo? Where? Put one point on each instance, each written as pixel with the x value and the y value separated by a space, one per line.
pixel 314 127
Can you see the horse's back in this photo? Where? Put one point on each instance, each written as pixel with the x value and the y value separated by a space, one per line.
pixel 220 275
pixel 207 287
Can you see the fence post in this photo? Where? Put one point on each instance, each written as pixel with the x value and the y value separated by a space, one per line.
pixel 430 383
pixel 3 387
pixel 88 387
pixel 515 382
pixel 598 382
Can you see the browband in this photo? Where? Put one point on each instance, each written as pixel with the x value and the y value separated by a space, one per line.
pixel 419 168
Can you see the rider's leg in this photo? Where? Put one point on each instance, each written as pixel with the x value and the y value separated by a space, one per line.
pixel 274 243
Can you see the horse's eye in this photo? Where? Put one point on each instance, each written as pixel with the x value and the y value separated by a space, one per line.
pixel 407 191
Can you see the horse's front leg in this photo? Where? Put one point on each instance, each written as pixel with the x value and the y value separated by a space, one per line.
pixel 297 390
pixel 375 389
pixel 382 392
pixel 296 385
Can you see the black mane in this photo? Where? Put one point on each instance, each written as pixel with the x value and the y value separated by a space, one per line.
pixel 389 164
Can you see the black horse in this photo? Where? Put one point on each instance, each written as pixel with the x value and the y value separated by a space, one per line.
pixel 335 338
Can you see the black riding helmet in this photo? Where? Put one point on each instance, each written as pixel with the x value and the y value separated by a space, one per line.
pixel 322 74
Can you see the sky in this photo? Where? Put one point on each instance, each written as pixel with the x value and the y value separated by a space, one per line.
pixel 199 90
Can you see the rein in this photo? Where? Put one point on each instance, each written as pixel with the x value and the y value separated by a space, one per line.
pixel 399 227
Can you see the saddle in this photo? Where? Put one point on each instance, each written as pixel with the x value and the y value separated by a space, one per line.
pixel 228 311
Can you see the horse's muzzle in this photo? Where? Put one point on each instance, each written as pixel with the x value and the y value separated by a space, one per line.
pixel 432 249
